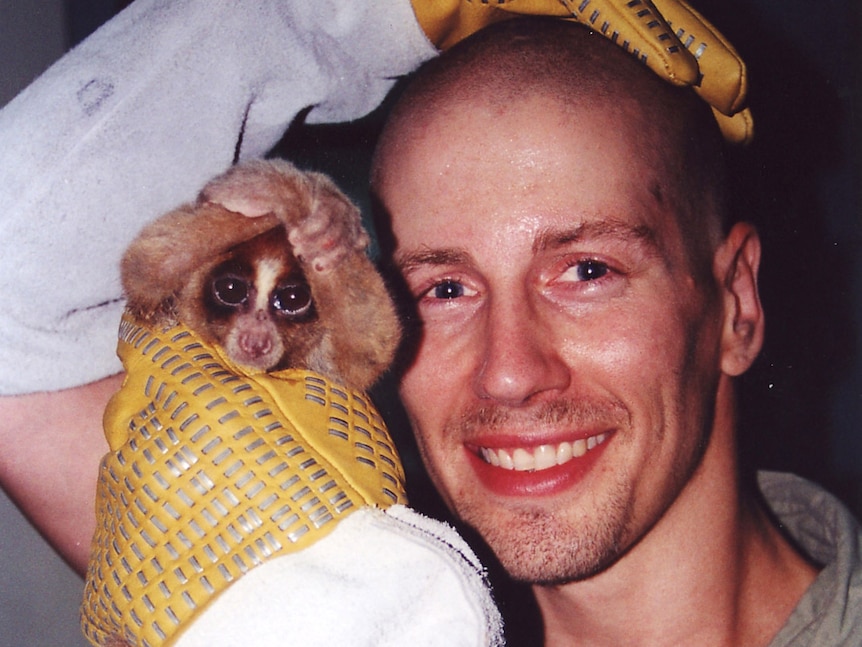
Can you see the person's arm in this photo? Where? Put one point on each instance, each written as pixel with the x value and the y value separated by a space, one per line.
pixel 134 121
pixel 50 447
pixel 125 127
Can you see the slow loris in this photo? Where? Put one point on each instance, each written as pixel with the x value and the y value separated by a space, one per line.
pixel 289 287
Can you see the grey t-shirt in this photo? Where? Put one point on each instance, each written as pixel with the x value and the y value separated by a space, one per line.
pixel 830 612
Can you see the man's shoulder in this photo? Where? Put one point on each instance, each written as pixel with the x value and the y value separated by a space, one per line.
pixel 827 532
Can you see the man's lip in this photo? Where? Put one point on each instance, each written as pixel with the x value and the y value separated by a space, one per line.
pixel 536 469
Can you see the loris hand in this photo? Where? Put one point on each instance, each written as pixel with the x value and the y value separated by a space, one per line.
pixel 252 189
pixel 330 230
pixel 323 225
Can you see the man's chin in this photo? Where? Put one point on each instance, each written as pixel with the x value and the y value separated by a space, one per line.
pixel 539 568
pixel 540 547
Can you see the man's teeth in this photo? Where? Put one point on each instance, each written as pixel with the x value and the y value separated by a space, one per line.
pixel 541 457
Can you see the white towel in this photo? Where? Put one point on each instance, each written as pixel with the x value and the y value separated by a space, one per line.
pixel 387 579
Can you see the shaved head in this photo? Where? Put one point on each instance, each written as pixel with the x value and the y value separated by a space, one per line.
pixel 522 58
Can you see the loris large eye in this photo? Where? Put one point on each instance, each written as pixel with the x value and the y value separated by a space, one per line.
pixel 293 300
pixel 230 291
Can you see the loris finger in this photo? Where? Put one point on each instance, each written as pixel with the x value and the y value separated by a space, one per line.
pixel 327 235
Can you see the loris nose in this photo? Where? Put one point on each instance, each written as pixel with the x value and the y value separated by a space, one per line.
pixel 261 315
pixel 255 343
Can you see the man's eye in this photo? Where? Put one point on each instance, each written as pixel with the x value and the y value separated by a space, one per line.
pixel 447 290
pixel 588 270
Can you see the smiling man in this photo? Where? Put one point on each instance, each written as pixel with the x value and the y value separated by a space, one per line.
pixel 558 215
pixel 581 305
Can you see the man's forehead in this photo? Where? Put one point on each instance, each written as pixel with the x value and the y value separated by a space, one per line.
pixel 485 127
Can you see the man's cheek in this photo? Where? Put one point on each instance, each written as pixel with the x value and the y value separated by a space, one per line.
pixel 442 362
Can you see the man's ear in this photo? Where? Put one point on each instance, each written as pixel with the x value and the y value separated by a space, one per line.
pixel 736 264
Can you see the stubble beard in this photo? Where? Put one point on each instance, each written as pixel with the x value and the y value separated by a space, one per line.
pixel 544 547
pixel 545 543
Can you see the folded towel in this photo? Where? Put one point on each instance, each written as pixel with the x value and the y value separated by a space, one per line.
pixel 388 579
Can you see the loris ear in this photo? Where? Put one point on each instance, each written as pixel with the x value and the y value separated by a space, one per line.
pixel 736 265
pixel 167 251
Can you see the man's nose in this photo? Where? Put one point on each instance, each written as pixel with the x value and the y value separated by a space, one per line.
pixel 519 361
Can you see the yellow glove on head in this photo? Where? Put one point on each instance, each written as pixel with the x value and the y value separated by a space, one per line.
pixel 670 37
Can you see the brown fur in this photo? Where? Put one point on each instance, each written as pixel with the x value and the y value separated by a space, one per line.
pixel 306 227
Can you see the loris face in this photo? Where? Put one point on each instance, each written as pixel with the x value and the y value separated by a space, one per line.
pixel 269 264
pixel 255 303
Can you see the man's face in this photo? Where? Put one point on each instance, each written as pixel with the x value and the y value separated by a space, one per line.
pixel 563 387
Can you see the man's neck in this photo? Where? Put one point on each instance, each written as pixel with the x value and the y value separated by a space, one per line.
pixel 713 571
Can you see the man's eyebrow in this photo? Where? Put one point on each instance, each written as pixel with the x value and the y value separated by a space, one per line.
pixel 409 261
pixel 553 238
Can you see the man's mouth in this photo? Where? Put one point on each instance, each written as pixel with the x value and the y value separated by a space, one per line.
pixel 542 457
pixel 536 470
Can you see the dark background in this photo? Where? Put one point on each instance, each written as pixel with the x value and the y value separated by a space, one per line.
pixel 799 181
